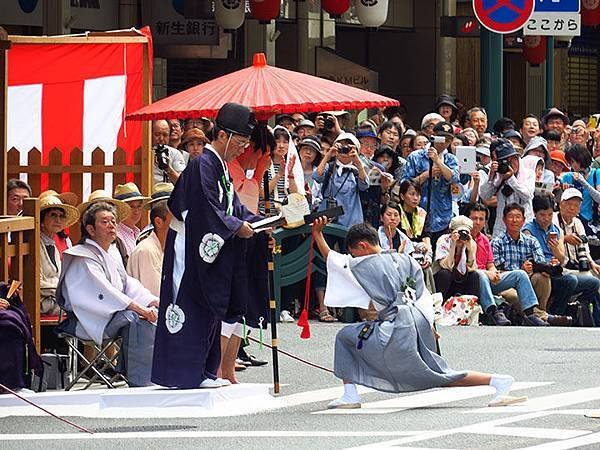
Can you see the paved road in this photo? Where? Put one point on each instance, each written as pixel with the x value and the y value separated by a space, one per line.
pixel 557 368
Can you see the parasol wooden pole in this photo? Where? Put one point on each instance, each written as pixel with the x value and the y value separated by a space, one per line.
pixel 272 301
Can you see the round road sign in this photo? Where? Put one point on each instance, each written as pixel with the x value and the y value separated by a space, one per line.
pixel 503 16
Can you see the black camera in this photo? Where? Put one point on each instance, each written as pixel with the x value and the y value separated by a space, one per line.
pixel 507 191
pixel 328 122
pixel 345 150
pixel 161 154
pixel 463 235
pixel 330 203
pixel 552 270
pixel 503 167
pixel 583 262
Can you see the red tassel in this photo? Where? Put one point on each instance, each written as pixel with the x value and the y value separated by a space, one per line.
pixel 303 322
pixel 305 332
pixel 303 319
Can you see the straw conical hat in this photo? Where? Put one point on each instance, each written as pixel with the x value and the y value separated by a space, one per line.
pixel 100 195
pixel 51 202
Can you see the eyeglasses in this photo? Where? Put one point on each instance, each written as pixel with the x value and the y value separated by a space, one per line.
pixel 245 143
pixel 57 215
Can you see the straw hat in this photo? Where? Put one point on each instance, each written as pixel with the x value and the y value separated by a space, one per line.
pixel 51 202
pixel 160 191
pixel 69 198
pixel 128 192
pixel 100 195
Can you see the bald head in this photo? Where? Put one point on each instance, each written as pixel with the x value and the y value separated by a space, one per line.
pixel 160 132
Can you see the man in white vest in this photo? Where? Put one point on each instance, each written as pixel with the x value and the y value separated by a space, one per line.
pixel 102 301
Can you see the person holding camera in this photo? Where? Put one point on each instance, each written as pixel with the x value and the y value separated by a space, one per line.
pixel 454 268
pixel 168 161
pixel 435 161
pixel 579 262
pixel 491 280
pixel 508 182
pixel 550 238
pixel 328 125
pixel 342 176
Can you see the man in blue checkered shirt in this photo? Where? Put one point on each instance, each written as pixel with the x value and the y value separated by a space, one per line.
pixel 514 250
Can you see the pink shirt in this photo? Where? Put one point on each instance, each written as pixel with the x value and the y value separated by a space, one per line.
pixel 484 254
pixel 128 236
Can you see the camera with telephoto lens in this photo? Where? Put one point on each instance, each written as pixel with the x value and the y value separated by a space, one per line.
pixel 503 167
pixel 463 235
pixel 345 150
pixel 161 154
pixel 583 262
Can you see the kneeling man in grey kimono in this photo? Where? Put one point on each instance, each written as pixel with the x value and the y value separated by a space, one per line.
pixel 102 301
pixel 395 353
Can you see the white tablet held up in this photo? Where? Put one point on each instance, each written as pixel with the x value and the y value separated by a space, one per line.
pixel 467 159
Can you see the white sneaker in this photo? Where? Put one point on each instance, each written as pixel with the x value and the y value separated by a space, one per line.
pixel 340 403
pixel 223 382
pixel 210 384
pixel 505 400
pixel 285 316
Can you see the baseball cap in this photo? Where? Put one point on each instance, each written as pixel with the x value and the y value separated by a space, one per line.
pixel 443 129
pixel 461 223
pixel 365 132
pixel 304 123
pixel 503 148
pixel 557 155
pixel 570 193
pixel 345 136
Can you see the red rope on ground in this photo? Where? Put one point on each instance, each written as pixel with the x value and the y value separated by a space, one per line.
pixel 80 428
pixel 297 358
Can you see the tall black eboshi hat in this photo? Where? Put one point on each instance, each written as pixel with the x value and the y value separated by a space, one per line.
pixel 236 118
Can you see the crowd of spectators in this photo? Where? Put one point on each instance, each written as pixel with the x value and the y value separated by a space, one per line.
pixel 514 228
pixel 515 221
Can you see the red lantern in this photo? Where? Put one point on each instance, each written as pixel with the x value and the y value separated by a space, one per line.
pixel 335 8
pixel 534 49
pixel 265 10
pixel 590 12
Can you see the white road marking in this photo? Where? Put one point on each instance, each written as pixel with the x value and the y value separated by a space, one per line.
pixel 546 402
pixel 580 441
pixel 538 433
pixel 319 395
pixel 201 434
pixel 543 406
pixel 429 398
pixel 441 433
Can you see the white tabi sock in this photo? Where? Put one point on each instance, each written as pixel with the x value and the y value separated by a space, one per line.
pixel 502 384
pixel 350 394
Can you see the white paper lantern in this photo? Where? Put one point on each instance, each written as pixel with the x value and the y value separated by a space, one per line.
pixel 230 13
pixel 372 13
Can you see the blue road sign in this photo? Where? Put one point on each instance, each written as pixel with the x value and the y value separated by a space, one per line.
pixel 557 6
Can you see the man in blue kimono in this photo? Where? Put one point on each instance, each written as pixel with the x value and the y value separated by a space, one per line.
pixel 205 275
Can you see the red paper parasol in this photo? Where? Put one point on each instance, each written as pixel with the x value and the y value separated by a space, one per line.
pixel 267 90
